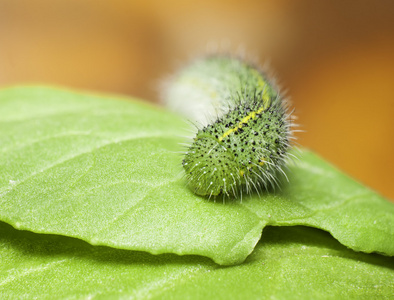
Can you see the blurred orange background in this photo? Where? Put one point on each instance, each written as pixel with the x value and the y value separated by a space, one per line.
pixel 335 59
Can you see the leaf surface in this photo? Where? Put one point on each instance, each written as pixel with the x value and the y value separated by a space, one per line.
pixel 106 170
pixel 289 263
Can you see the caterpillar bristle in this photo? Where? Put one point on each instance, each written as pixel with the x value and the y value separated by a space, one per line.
pixel 244 128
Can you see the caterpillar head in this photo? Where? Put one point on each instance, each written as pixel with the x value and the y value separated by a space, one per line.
pixel 208 164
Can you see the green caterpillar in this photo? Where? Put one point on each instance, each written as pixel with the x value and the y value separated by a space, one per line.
pixel 247 144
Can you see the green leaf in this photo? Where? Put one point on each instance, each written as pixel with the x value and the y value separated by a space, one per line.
pixel 107 171
pixel 289 263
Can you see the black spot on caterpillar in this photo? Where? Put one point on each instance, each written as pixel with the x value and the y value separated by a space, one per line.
pixel 246 146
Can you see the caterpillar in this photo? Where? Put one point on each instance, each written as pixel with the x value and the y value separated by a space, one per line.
pixel 245 130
